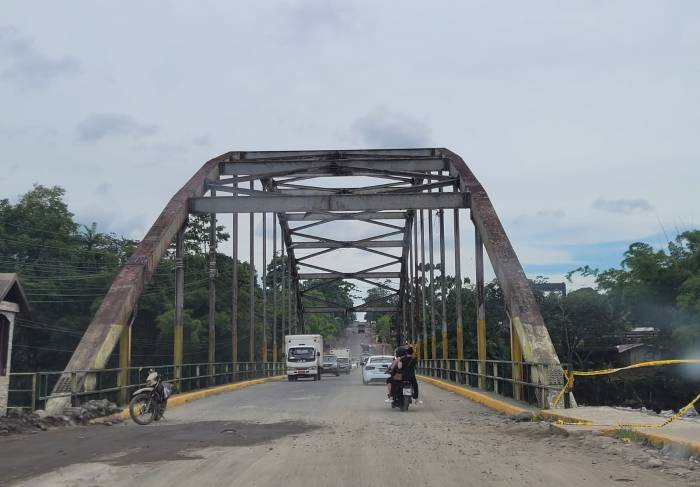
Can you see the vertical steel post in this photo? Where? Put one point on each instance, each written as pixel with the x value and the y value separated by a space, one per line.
pixel 283 288
pixel 458 287
pixel 234 285
pixel 124 364
pixel 414 285
pixel 409 284
pixel 264 290
pixel 443 287
pixel 292 317
pixel 516 356
pixel 212 294
pixel 274 287
pixel 433 344
pixel 251 339
pixel 480 308
pixel 401 332
pixel 179 305
pixel 423 305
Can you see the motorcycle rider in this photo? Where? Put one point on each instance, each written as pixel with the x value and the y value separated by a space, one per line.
pixel 409 373
pixel 405 371
pixel 407 368
pixel 390 380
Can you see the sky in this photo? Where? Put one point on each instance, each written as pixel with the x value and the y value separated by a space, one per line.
pixel 579 118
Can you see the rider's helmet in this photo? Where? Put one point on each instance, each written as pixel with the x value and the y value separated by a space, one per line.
pixel 402 351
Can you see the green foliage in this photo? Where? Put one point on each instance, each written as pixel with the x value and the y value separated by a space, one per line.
pixel 583 320
pixel 65 270
pixel 660 288
pixel 328 293
pixel 383 328
pixel 198 233
pixel 627 434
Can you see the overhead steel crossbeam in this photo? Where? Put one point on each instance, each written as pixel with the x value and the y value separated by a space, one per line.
pixel 409 180
pixel 294 186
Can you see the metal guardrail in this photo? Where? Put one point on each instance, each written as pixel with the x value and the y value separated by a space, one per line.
pixel 29 391
pixel 525 381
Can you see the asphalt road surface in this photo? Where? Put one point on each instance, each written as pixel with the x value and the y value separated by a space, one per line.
pixel 335 432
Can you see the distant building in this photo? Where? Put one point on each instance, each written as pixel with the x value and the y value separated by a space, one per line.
pixel 632 353
pixel 12 302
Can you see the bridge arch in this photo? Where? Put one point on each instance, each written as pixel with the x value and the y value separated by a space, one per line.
pixel 407 183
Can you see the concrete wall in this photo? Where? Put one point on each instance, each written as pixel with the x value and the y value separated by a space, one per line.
pixel 5 380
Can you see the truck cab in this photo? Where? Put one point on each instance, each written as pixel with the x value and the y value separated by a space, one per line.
pixel 304 355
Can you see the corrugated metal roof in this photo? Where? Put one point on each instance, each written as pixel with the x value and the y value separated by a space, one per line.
pixel 628 346
pixel 11 290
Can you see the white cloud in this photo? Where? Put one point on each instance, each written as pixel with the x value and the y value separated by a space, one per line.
pixel 384 128
pixel 624 206
pixel 27 67
pixel 101 125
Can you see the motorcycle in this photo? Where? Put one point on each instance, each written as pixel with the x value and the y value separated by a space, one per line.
pixel 148 403
pixel 403 396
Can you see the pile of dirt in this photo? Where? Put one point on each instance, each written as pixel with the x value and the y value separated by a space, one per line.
pixel 17 422
pixel 97 408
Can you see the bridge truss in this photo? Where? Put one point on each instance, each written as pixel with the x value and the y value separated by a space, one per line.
pixel 383 201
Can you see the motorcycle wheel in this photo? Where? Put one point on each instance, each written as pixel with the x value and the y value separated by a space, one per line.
pixel 141 410
pixel 404 404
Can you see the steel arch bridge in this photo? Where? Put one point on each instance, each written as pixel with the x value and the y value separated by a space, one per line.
pixel 306 192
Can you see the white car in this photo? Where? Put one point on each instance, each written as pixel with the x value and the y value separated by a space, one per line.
pixel 375 369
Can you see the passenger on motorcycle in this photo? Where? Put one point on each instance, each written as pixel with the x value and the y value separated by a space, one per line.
pixel 405 370
pixel 389 380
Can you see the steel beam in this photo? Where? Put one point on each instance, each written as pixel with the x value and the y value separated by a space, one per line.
pixel 274 288
pixel 349 275
pixel 424 317
pixel 363 215
pixel 458 287
pixel 124 364
pixel 340 309
pixel 234 287
pixel 334 155
pixel 263 349
pixel 443 287
pixel 251 290
pixel 348 245
pixel 283 289
pixel 380 189
pixel 480 307
pixel 211 360
pixel 350 202
pixel 433 343
pixel 414 281
pixel 516 356
pixel 339 167
pixel 179 305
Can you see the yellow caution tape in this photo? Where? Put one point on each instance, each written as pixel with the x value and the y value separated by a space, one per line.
pixel 573 373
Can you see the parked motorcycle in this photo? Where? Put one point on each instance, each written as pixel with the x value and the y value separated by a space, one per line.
pixel 148 403
pixel 403 396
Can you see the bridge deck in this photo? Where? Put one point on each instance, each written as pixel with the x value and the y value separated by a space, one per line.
pixel 336 432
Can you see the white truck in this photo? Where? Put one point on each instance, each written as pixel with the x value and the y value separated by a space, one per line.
pixel 304 356
pixel 343 354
